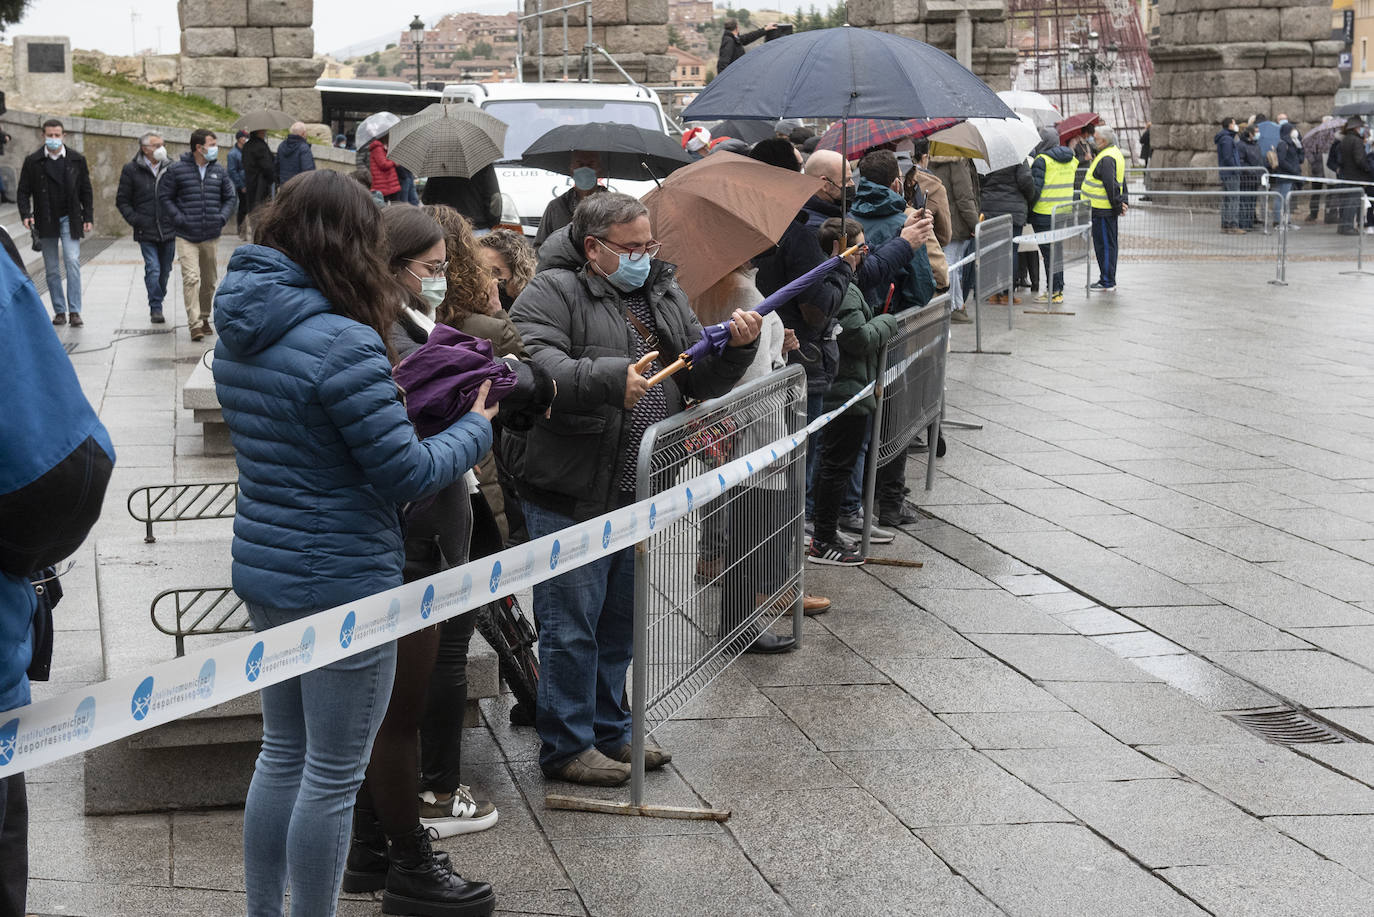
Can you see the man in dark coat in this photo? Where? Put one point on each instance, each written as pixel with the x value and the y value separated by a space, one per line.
pixel 57 205
pixel 595 310
pixel 137 200
pixel 586 171
pixel 1228 159
pixel 259 170
pixel 732 43
pixel 1354 166
pixel 477 198
pixel 293 155
pixel 198 196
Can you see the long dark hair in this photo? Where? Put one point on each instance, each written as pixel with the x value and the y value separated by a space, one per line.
pixel 328 225
pixel 410 232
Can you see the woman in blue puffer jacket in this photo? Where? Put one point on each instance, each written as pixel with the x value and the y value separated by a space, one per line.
pixel 326 456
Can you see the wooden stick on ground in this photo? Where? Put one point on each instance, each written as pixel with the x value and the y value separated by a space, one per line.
pixel 893 562
pixel 609 807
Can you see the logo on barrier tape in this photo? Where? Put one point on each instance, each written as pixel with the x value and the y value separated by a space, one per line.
pixel 689 498
pixel 146 700
pixel 723 486
pixel 77 727
pixel 653 515
pixel 259 665
pixel 350 623
pixel 553 555
pixel 427 603
pixel 606 535
pixel 495 582
pixel 465 589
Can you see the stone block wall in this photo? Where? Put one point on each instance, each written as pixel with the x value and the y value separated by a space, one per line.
pixel 1233 58
pixel 933 22
pixel 251 54
pixel 635 32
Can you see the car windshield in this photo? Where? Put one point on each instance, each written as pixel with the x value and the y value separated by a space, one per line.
pixel 530 119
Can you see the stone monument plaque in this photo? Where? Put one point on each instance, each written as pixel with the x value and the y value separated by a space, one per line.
pixel 47 57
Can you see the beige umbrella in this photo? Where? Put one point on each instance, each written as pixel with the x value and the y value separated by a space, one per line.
pixel 721 211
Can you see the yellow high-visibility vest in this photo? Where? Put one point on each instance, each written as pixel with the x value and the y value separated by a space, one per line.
pixel 1093 190
pixel 1058 187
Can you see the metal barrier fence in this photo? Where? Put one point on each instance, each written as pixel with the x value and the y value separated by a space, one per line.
pixel 1076 249
pixel 911 397
pixel 1311 240
pixel 199 613
pixel 1199 178
pixel 691 622
pixel 994 270
pixel 181 502
pixel 1203 225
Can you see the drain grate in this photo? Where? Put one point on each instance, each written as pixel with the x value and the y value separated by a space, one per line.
pixel 1289 727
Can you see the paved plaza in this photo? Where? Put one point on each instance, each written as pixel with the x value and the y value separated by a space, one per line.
pixel 1166 522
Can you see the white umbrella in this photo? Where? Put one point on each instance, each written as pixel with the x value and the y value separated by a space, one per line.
pixel 1041 111
pixel 374 126
pixel 1000 142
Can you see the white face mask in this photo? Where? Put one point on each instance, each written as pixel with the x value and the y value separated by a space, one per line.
pixel 160 154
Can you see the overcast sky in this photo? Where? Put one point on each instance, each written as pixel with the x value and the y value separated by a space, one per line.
pixel 105 25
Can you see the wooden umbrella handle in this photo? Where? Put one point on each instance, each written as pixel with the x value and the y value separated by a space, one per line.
pixel 850 250
pixel 646 361
pixel 675 366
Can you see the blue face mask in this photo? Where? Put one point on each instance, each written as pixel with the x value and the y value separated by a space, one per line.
pixel 630 276
pixel 584 178
pixel 211 153
pixel 53 143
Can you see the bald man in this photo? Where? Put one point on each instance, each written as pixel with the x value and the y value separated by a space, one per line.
pixel 294 156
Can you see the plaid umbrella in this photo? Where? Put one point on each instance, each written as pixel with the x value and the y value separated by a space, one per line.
pixel 866 133
pixel 491 125
pixel 445 147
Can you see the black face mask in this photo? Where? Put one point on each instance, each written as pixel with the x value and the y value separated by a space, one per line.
pixel 507 300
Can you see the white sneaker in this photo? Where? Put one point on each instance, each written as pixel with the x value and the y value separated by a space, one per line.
pixel 461 814
pixel 1043 297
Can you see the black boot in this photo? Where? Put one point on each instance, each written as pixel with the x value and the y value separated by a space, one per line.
pixel 367 863
pixel 420 884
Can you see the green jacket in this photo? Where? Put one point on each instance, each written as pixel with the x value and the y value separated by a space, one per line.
pixel 861 340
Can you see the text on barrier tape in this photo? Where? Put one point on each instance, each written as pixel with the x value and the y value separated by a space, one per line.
pixel 98 714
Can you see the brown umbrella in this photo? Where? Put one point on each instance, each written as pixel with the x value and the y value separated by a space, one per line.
pixel 719 212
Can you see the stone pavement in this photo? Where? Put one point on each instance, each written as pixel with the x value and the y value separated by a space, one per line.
pixel 1166 518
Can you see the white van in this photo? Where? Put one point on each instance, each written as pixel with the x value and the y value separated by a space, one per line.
pixel 533 109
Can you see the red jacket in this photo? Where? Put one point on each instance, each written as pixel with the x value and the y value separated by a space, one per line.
pixel 384 178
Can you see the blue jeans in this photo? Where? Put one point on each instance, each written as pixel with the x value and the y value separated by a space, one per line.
pixel 854 496
pixel 958 290
pixel 158 258
pixel 1230 201
pixel 71 258
pixel 1044 222
pixel 317 739
pixel 1105 246
pixel 586 639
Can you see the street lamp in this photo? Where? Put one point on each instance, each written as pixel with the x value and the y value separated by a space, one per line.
pixel 417 36
pixel 1094 60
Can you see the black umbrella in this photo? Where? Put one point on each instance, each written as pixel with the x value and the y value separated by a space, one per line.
pixel 625 150
pixel 846 73
pixel 751 132
pixel 1362 109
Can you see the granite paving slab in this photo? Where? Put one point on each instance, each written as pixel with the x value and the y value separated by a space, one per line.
pixel 1299 889
pixel 1312 678
pixel 1343 838
pixel 863 717
pixel 1149 714
pixel 1268 779
pixel 1079 764
pixel 1059 658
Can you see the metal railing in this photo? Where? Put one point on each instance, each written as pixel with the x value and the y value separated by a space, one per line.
pixel 690 625
pixel 199 613
pixel 538 16
pixel 1074 250
pixel 182 502
pixel 994 269
pixel 1198 178
pixel 1203 225
pixel 911 397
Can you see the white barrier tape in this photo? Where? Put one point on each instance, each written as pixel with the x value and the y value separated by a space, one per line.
pixel 964 261
pixel 1051 236
pixel 1318 180
pixel 98 714
pixel 900 367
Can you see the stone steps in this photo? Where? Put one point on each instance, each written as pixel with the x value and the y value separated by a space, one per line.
pixel 205 759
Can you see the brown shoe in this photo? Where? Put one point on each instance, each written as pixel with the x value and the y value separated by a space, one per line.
pixel 654 757
pixel 998 299
pixel 75 320
pixel 197 333
pixel 205 328
pixel 594 769
pixel 811 604
pixel 60 318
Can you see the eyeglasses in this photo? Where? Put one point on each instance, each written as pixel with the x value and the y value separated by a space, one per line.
pixel 650 248
pixel 435 268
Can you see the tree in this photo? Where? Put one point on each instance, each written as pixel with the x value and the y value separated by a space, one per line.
pixel 381 69
pixel 745 20
pixel 482 50
pixel 462 54
pixel 675 38
pixel 11 11
pixel 361 69
pixel 375 57
pixel 390 45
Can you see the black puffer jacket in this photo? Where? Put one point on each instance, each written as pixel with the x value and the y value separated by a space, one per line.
pixel 138 204
pixel 198 207
pixel 1010 190
pixel 1354 165
pixel 573 324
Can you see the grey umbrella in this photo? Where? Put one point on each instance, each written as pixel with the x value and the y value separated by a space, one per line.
pixel 491 125
pixel 268 119
pixel 445 147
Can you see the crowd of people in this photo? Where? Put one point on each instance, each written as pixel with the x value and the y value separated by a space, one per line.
pixel 343 493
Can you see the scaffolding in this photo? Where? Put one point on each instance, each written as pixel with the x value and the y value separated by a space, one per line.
pixel 1052 40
